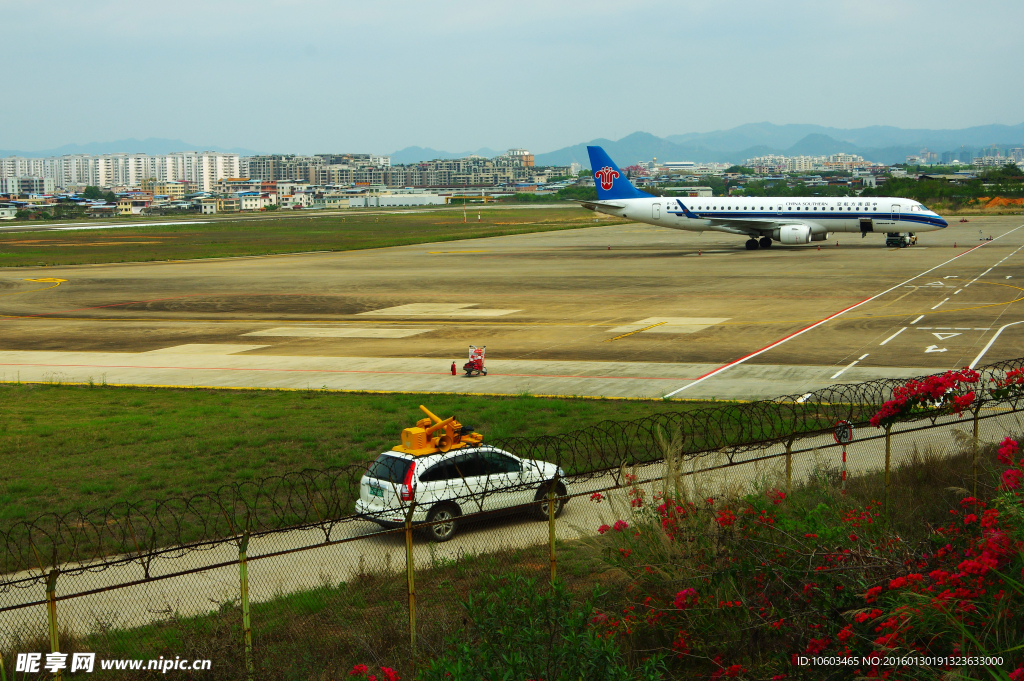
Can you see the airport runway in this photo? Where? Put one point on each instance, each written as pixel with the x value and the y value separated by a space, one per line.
pixel 622 311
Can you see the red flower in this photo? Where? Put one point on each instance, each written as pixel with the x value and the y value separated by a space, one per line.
pixel 846 633
pixel 620 525
pixel 390 674
pixel 603 529
pixel 359 669
pixel 816 645
pixel 685 599
pixel 872 595
pixel 596 496
pixel 725 517
pixel 1007 450
pixel 1011 478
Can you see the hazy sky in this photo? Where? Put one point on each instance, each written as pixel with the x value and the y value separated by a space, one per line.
pixel 305 76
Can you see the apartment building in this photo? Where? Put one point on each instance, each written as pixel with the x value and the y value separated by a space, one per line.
pixel 26 185
pixel 204 168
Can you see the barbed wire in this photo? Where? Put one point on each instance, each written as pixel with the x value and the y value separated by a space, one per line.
pixel 94 540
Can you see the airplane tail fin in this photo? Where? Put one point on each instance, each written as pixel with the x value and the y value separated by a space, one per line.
pixel 611 182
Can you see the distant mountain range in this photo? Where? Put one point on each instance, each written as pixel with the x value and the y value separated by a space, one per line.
pixel 152 145
pixel 884 144
pixel 420 154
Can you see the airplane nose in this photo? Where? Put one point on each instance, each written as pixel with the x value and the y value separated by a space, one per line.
pixel 943 223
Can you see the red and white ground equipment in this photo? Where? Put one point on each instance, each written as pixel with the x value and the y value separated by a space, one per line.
pixel 475 365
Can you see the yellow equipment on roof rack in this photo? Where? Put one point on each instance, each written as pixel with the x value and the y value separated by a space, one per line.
pixel 451 434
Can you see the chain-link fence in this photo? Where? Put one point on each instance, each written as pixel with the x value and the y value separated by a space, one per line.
pixel 279 579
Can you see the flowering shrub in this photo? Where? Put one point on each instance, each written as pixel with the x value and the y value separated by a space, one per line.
pixel 1011 385
pixel 712 583
pixel 932 394
pixel 361 671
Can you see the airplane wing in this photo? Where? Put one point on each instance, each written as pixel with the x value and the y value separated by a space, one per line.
pixel 595 205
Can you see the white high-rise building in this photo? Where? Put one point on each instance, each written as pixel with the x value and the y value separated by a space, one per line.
pixel 205 168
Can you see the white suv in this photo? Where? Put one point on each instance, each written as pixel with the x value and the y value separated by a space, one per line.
pixel 456 483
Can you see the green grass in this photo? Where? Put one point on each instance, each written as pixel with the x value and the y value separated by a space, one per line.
pixel 290 233
pixel 320 633
pixel 65 448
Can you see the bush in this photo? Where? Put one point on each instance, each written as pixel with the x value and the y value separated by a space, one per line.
pixel 744 587
pixel 520 629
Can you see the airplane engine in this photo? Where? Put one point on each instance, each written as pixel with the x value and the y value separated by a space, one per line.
pixel 793 234
pixel 823 236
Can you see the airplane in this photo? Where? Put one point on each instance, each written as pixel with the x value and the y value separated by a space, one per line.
pixel 763 220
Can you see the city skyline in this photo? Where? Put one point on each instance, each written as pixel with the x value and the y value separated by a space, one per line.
pixel 540 77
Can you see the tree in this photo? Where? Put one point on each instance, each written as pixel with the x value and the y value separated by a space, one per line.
pixel 92 193
pixel 742 170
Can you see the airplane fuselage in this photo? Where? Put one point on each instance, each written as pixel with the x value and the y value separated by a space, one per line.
pixel 760 217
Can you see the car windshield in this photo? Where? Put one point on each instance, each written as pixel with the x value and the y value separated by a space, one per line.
pixel 390 468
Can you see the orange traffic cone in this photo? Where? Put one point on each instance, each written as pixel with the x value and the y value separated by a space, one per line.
pixel 698 251
pixel 819 248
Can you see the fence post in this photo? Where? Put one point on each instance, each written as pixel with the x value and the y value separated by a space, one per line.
pixel 977 411
pixel 51 612
pixel 551 527
pixel 888 452
pixel 411 577
pixel 789 467
pixel 243 571
pixel 3 674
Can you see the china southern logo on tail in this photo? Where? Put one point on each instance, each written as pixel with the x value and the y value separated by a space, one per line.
pixel 607 176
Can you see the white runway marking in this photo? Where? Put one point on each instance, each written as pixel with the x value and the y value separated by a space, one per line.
pixel 204 349
pixel 843 370
pixel 799 333
pixel 894 335
pixel 336 332
pixel 435 310
pixel 671 324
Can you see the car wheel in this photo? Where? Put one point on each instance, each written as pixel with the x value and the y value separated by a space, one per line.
pixel 542 497
pixel 446 518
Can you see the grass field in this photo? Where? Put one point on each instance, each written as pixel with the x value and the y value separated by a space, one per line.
pixel 66 448
pixel 291 233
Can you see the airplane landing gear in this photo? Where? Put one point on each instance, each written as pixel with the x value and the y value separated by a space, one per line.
pixel 752 245
pixel 765 242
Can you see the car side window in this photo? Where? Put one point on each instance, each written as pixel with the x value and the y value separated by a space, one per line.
pixel 469 466
pixel 437 472
pixel 499 464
